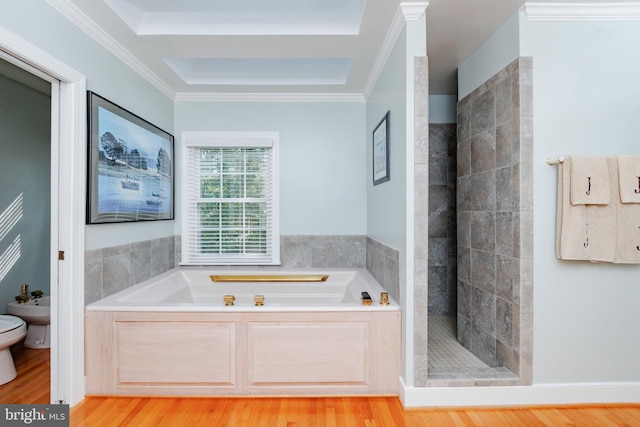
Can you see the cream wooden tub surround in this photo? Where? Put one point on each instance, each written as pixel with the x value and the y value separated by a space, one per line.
pixel 173 335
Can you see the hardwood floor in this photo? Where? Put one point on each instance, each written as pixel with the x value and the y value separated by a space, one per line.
pixel 32 386
pixel 328 412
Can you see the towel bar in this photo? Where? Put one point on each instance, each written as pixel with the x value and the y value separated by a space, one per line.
pixel 552 161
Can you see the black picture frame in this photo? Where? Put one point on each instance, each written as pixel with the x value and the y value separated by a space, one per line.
pixel 380 141
pixel 130 166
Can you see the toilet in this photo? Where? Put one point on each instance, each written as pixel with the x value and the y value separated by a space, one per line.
pixel 12 330
pixel 37 313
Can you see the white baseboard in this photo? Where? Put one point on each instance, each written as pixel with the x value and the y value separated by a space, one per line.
pixel 538 394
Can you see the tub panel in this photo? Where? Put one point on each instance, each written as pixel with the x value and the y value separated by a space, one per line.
pixel 175 352
pixel 160 353
pixel 174 336
pixel 99 360
pixel 308 353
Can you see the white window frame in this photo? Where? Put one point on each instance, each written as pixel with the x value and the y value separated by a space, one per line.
pixel 227 140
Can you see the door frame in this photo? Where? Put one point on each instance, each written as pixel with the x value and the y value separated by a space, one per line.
pixel 68 201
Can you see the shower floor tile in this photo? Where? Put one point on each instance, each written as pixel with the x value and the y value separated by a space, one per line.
pixel 449 360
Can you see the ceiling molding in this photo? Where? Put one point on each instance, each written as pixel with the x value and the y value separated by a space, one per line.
pixel 407 11
pixel 261 71
pixel 76 16
pixel 238 18
pixel 581 11
pixel 269 97
pixel 413 11
pixel 385 51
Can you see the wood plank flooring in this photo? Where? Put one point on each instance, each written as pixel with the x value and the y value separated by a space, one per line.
pixel 32 387
pixel 329 412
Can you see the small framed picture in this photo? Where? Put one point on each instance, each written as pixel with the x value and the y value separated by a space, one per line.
pixel 381 151
pixel 131 166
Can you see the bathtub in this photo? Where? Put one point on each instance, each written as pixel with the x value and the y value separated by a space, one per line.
pixel 181 333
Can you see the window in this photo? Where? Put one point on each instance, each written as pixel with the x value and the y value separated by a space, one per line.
pixel 230 203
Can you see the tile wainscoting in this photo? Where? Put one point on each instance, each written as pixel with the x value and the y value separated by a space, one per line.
pixel 383 262
pixel 110 270
pixel 113 269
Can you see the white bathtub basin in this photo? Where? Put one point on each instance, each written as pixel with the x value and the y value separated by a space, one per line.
pixel 191 289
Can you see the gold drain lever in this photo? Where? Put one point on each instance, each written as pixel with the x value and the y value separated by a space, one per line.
pixel 229 299
pixel 259 300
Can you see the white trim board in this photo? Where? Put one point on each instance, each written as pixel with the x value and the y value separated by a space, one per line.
pixel 539 394
pixel 75 15
pixel 67 298
pixel 407 11
pixel 269 97
pixel 581 11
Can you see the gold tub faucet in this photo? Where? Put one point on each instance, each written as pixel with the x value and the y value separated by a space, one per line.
pixel 384 298
pixel 229 300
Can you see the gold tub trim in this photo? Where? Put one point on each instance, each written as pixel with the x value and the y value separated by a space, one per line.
pixel 269 278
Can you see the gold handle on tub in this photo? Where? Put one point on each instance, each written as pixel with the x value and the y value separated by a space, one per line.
pixel 384 298
pixel 259 300
pixel 229 299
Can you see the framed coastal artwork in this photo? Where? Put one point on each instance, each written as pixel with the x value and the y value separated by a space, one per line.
pixel 130 166
pixel 381 151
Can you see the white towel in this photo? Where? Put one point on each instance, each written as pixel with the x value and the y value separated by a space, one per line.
pixel 590 181
pixel 602 223
pixel 628 226
pixel 629 178
pixel 571 226
pixel 584 232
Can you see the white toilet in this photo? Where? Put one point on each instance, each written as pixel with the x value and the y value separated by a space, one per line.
pixel 12 330
pixel 37 313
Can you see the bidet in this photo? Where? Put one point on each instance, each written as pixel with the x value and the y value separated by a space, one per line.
pixel 37 314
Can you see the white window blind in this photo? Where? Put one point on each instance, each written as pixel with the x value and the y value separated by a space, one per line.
pixel 231 199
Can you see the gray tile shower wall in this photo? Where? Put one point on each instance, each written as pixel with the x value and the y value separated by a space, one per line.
pixel 494 217
pixel 383 262
pixel 442 220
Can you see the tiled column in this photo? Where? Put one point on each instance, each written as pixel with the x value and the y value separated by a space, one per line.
pixel 421 219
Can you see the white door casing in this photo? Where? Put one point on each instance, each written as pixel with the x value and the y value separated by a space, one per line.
pixel 68 178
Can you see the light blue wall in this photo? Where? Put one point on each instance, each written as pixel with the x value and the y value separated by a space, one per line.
pixel 442 108
pixel 38 23
pixel 322 158
pixel 586 91
pixel 25 174
pixel 390 205
pixel 501 49
pixel 386 202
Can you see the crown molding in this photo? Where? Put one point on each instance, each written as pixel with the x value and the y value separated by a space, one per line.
pixel 581 11
pixel 269 97
pixel 76 16
pixel 413 11
pixel 407 11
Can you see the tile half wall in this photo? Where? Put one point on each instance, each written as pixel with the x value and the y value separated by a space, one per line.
pixel 113 269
